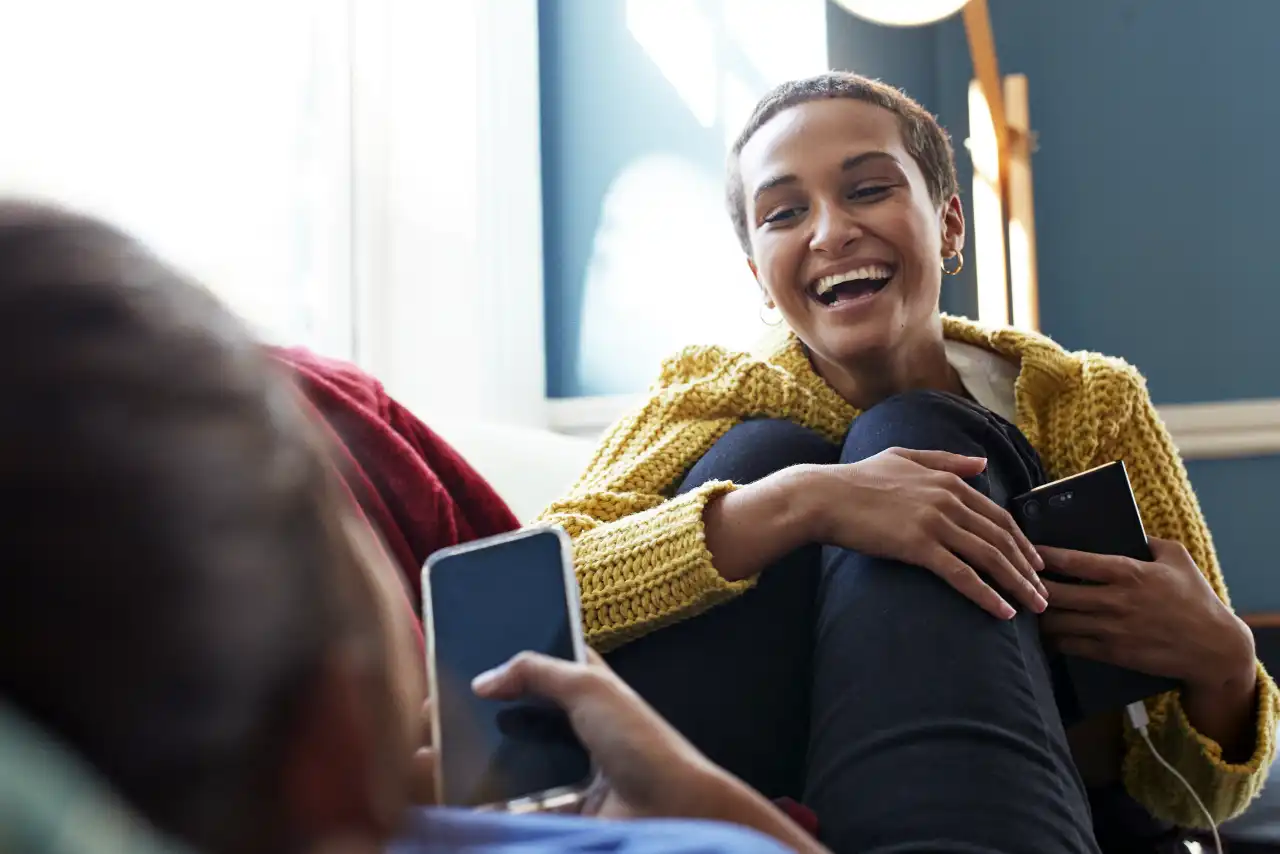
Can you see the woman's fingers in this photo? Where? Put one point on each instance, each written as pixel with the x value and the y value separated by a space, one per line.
pixel 956 464
pixel 961 576
pixel 1002 519
pixel 980 553
pixel 962 467
pixel 1001 539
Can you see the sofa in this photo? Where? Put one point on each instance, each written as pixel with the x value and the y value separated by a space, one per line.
pixel 528 467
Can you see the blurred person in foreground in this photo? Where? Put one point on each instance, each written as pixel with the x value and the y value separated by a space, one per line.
pixel 201 648
pixel 801 555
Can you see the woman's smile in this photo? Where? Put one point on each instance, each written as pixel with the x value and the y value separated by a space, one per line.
pixel 853 288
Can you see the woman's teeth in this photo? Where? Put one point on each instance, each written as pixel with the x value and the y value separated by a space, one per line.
pixel 876 271
pixel 860 282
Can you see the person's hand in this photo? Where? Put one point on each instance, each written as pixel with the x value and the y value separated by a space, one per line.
pixel 1159 617
pixel 647 769
pixel 422 770
pixel 914 506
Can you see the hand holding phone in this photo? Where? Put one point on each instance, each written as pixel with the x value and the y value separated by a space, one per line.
pixel 647 769
pixel 1091 513
pixel 485 602
pixel 517 700
pixel 1161 617
pixel 651 769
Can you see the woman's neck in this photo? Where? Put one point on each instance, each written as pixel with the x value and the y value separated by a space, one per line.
pixel 874 379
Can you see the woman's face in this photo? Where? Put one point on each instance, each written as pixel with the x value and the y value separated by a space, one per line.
pixel 845 240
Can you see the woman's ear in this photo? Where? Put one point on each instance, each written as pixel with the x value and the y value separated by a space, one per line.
pixel 953 226
pixel 764 292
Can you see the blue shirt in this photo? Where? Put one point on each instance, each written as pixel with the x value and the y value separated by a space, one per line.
pixel 448 831
pixel 52 803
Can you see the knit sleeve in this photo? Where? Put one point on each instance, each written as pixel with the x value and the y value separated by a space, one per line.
pixel 640 552
pixel 1170 511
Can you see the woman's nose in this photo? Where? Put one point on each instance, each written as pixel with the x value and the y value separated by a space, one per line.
pixel 834 228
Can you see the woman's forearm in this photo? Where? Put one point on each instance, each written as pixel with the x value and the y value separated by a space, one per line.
pixel 1222 703
pixel 751 528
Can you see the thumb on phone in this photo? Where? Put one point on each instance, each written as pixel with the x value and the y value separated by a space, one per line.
pixel 531 673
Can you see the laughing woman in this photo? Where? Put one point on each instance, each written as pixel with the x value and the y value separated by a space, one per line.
pixel 800 555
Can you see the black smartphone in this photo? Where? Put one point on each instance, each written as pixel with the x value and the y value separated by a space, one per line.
pixel 1094 511
pixel 483 603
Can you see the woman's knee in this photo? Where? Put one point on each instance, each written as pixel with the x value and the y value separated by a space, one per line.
pixel 756 449
pixel 920 420
pixel 939 421
pixel 930 402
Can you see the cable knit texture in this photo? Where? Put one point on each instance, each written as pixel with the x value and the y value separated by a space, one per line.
pixel 642 557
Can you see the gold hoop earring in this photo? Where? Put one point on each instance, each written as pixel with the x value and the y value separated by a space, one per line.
pixel 959 256
pixel 766 307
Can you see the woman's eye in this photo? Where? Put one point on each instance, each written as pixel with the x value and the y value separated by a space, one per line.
pixel 872 192
pixel 782 215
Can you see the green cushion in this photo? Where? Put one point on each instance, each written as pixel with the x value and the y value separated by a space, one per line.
pixel 53 803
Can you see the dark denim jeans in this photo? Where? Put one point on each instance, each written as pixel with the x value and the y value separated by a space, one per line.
pixel 907 718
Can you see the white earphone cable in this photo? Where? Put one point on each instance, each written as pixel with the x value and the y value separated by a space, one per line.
pixel 1137 713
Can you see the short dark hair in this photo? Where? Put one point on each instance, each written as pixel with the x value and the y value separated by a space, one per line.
pixel 924 138
pixel 170 551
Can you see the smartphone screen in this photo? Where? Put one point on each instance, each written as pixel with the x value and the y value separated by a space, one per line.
pixel 485 604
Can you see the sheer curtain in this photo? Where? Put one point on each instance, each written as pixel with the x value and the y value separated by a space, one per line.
pixel 217 131
pixel 357 176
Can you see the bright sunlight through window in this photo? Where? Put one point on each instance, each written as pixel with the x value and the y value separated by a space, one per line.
pixel 215 130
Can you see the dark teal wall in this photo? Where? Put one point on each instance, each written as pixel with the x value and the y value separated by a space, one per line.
pixel 1156 189
pixel 605 105
pixel 1156 180
pixel 1239 498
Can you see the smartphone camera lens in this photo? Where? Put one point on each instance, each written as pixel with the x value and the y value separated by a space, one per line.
pixel 1031 509
pixel 1062 499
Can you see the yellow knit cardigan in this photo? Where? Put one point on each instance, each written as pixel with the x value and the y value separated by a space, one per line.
pixel 642 560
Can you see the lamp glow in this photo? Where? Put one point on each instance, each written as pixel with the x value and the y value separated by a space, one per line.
pixel 902 13
pixel 988 212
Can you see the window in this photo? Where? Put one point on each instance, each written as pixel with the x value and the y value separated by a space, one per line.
pixel 356 176
pixel 217 131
